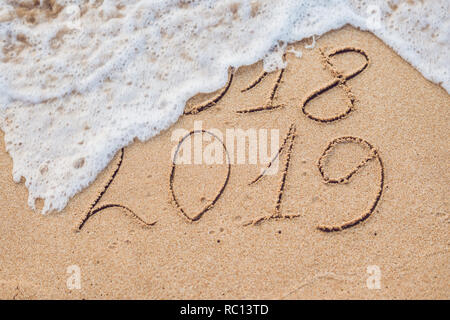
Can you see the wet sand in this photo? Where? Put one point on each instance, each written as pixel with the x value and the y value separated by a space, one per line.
pixel 138 243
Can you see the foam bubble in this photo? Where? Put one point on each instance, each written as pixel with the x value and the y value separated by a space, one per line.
pixel 80 79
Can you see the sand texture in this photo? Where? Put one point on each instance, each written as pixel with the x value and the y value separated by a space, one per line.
pixel 363 181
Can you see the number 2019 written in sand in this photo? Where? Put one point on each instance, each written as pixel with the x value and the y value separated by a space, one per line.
pixel 338 82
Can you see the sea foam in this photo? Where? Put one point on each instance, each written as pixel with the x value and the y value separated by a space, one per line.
pixel 80 79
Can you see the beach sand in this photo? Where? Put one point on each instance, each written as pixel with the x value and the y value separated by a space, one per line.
pixel 402 246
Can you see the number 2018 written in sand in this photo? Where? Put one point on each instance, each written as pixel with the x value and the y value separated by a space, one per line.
pixel 339 81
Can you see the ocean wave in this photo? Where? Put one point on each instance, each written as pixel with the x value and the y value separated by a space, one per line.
pixel 80 79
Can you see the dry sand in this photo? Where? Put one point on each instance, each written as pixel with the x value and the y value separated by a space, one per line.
pixel 406 119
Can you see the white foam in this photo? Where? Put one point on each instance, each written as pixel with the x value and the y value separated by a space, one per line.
pixel 80 79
